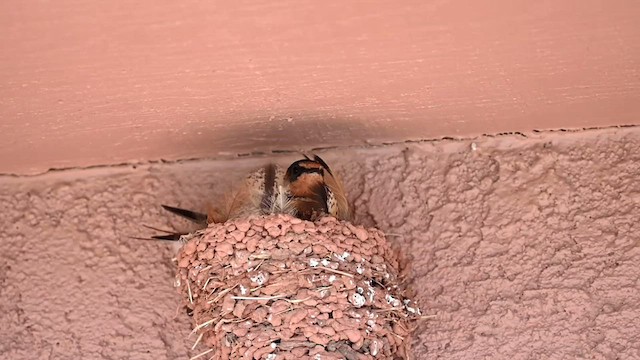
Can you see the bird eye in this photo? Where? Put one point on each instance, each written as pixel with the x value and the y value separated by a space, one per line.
pixel 294 171
pixel 297 170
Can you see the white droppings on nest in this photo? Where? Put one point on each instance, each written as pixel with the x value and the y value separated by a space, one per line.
pixel 243 290
pixel 342 257
pixel 259 279
pixel 313 262
pixel 325 262
pixel 371 292
pixel 374 347
pixel 393 301
pixel 357 300
pixel 411 309
pixel 332 278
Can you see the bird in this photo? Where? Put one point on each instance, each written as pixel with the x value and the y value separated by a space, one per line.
pixel 307 189
pixel 316 191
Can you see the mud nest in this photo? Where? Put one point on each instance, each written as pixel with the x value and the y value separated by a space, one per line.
pixel 277 287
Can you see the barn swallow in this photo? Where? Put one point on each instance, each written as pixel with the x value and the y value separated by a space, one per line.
pixel 307 189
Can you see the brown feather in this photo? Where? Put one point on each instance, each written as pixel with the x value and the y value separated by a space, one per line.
pixel 309 208
pixel 239 203
pixel 269 185
pixel 343 209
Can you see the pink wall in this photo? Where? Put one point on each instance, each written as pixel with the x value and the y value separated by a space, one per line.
pixel 524 248
pixel 103 82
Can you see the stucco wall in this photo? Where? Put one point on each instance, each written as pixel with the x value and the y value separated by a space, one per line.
pixel 87 83
pixel 522 248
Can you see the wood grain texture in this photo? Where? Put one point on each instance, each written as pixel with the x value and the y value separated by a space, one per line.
pixel 102 82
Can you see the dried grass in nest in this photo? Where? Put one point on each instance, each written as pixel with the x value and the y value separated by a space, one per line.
pixel 277 287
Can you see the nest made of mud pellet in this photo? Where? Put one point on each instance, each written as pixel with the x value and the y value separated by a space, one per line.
pixel 277 287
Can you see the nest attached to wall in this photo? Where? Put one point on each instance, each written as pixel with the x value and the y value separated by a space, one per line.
pixel 277 287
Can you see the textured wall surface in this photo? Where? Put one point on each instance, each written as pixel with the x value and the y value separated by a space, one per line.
pixel 106 82
pixel 522 248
